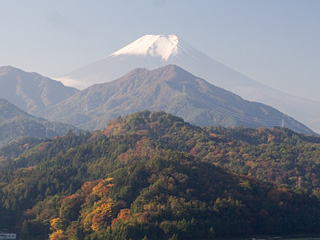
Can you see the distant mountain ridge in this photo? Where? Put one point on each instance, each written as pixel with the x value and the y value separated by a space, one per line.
pixel 154 51
pixel 30 91
pixel 169 89
pixel 15 123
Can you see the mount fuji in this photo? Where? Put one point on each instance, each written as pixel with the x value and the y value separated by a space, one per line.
pixel 154 51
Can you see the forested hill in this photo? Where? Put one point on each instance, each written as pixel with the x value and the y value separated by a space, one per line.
pixel 153 176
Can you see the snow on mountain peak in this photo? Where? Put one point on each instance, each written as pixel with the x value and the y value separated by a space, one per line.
pixel 154 45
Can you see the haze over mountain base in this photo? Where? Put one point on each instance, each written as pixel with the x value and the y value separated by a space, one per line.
pixel 153 51
pixel 170 89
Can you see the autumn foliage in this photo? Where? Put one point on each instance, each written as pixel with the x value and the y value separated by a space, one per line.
pixel 153 176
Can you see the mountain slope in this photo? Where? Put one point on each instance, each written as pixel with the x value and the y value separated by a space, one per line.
pixel 169 89
pixel 15 123
pixel 30 91
pixel 153 51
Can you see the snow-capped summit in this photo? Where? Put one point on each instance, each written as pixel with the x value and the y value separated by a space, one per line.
pixel 149 51
pixel 153 45
pixel 154 51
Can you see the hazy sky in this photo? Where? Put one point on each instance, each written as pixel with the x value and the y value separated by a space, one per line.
pixel 276 42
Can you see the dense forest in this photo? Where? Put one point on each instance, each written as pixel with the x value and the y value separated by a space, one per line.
pixel 154 176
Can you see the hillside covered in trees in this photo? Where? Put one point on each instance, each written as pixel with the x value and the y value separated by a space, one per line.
pixel 153 176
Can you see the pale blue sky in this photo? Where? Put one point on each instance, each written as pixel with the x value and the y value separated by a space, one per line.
pixel 276 42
